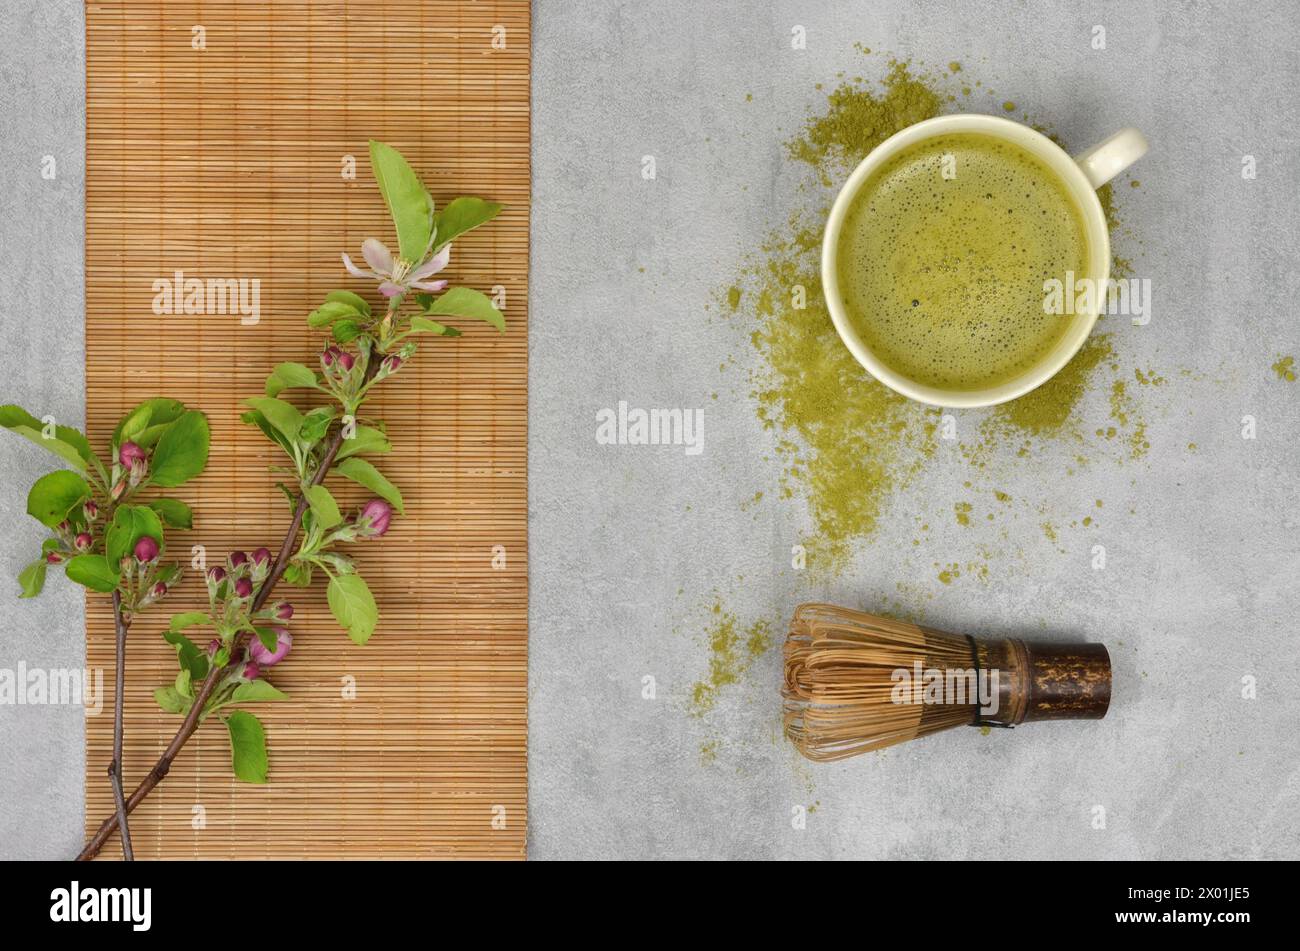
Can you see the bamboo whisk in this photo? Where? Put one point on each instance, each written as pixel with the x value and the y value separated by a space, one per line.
pixel 856 682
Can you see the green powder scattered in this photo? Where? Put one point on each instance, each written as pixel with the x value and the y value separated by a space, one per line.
pixel 954 67
pixel 858 118
pixel 1009 106
pixel 1048 409
pixel 708 752
pixel 1285 369
pixel 962 510
pixel 732 650
pixel 847 443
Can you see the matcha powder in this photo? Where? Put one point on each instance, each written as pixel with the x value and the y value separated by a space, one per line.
pixel 846 442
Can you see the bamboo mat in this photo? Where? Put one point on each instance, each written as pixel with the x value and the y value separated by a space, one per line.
pixel 226 162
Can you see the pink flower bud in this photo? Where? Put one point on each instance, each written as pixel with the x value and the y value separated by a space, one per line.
pixel 214 645
pixel 146 550
pixel 84 541
pixel 216 575
pixel 90 510
pixel 63 526
pixel 346 361
pixel 238 558
pixel 54 557
pixel 283 610
pixel 129 454
pixel 159 590
pixel 243 588
pixel 118 489
pixel 329 355
pixel 392 363
pixel 262 556
pixel 265 658
pixel 252 671
pixel 374 518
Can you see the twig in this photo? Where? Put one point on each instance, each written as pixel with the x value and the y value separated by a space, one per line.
pixel 191 723
pixel 119 690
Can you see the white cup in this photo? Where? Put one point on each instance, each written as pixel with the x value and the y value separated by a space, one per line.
pixel 1081 178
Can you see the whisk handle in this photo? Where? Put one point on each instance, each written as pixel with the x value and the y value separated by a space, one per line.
pixel 1063 681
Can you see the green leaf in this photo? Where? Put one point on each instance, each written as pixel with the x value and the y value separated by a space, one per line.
pixel 185 683
pixel 330 311
pixel 173 512
pixel 298 574
pixel 182 450
pixel 170 700
pixel 32 578
pixel 66 443
pixel 423 325
pixel 188 654
pixel 256 691
pixel 54 495
pixel 94 572
pixel 354 301
pixel 353 606
pixel 255 418
pixel 467 302
pixel 323 506
pixel 463 214
pixel 132 425
pixel 364 474
pixel 247 747
pixel 315 424
pixel 365 439
pixel 289 375
pixel 188 619
pixel 130 524
pixel 408 201
pixel 345 331
pixel 283 416
pixel 158 413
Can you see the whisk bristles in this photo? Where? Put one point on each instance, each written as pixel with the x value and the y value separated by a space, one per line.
pixel 841 681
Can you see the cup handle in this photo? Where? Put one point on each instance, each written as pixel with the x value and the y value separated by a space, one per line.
pixel 1108 158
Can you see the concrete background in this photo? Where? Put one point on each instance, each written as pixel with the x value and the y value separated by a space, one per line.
pixel 42 296
pixel 631 545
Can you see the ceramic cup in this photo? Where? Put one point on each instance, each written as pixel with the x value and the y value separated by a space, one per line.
pixel 1081 177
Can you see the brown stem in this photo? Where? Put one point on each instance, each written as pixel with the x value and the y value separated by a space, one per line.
pixel 120 626
pixel 191 723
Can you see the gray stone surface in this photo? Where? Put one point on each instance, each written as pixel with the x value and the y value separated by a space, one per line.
pixel 42 297
pixel 631 545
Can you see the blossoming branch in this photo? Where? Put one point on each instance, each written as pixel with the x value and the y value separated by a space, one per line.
pixel 246 634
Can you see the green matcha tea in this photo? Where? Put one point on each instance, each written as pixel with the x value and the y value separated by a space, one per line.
pixel 942 277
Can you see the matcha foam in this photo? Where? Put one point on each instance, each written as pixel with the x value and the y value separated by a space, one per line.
pixel 943 256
